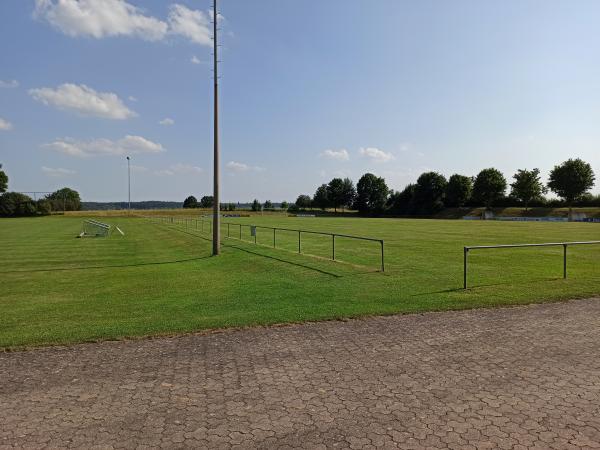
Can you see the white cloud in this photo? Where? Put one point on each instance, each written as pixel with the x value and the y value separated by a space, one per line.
pixel 99 18
pixel 339 155
pixel 237 167
pixel 234 166
pixel 165 172
pixel 376 154
pixel 84 101
pixel 138 169
pixel 194 60
pixel 9 84
pixel 5 125
pixel 179 168
pixel 129 145
pixel 167 122
pixel 58 172
pixel 132 98
pixel 185 168
pixel 193 24
pixel 108 18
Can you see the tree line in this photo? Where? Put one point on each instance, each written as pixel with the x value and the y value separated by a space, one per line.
pixel 13 204
pixel 207 202
pixel 570 181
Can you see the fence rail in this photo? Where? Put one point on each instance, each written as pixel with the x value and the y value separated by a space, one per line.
pixel 199 224
pixel 503 246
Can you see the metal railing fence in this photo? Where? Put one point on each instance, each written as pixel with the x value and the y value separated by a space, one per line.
pixel 467 249
pixel 202 225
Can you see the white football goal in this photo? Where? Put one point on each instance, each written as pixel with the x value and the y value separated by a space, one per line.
pixel 94 228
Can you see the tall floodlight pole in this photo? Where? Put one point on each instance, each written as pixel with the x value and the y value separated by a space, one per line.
pixel 128 185
pixel 216 200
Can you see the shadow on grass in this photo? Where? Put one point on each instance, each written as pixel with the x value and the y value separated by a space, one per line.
pixel 519 283
pixel 324 272
pixel 285 261
pixel 443 291
pixel 472 287
pixel 108 266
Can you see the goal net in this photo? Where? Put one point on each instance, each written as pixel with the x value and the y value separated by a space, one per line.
pixel 93 228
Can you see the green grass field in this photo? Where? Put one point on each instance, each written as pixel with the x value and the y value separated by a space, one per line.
pixel 161 279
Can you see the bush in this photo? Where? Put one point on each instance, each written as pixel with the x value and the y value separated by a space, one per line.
pixel 44 207
pixel 303 201
pixel 206 201
pixel 13 204
pixel 190 202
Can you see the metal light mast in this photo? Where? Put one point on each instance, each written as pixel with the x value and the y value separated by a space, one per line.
pixel 128 185
pixel 216 199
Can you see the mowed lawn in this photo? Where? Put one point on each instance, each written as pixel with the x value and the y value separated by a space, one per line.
pixel 160 278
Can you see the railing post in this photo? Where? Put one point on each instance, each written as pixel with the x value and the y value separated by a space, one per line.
pixel 565 261
pixel 333 247
pixel 255 234
pixel 274 245
pixel 299 245
pixel 382 259
pixel 227 230
pixel 466 253
pixel 240 231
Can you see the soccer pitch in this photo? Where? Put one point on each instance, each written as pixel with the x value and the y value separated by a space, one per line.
pixel 160 279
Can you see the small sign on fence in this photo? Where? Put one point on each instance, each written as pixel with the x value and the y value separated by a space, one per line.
pixel 253 231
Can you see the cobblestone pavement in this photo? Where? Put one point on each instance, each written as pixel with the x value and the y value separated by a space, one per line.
pixel 526 377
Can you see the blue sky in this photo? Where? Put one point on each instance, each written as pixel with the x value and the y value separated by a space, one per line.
pixel 309 91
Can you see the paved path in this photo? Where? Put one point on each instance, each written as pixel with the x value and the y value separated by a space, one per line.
pixel 509 378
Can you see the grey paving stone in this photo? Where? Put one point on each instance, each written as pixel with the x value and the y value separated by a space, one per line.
pixel 514 378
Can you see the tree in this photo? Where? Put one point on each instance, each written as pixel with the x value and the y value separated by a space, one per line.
pixel 489 186
pixel 571 180
pixel 458 190
pixel 65 199
pixel 268 204
pixel 190 202
pixel 321 198
pixel 303 201
pixel 3 181
pixel 284 205
pixel 527 186
pixel 348 193
pixel 44 206
pixel 403 202
pixel 206 201
pixel 335 193
pixel 256 206
pixel 372 193
pixel 16 204
pixel 429 192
